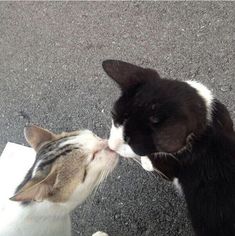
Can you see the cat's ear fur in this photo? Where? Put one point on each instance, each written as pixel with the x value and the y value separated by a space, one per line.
pixel 127 75
pixel 37 189
pixel 171 138
pixel 36 136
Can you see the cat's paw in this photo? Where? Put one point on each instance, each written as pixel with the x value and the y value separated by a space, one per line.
pixel 99 233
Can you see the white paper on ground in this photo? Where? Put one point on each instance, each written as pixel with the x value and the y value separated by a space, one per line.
pixel 15 162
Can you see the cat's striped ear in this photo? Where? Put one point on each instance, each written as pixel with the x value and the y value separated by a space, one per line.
pixel 36 136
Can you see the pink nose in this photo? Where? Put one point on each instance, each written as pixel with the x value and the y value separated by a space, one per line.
pixel 103 143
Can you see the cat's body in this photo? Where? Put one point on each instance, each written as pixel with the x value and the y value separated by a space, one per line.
pixel 207 177
pixel 183 132
pixel 67 168
pixel 22 220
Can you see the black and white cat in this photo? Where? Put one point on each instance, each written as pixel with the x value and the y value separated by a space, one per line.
pixel 67 168
pixel 181 130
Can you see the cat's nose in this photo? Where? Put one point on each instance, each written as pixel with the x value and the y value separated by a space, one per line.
pixel 103 143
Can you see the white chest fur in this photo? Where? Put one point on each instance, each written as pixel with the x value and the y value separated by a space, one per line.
pixel 40 219
pixel 21 221
pixel 177 186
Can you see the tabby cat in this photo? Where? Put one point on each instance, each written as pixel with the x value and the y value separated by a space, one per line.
pixel 67 168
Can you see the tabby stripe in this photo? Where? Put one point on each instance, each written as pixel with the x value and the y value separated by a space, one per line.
pixel 50 157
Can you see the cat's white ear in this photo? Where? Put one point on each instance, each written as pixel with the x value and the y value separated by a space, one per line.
pixel 36 190
pixel 36 136
pixel 127 75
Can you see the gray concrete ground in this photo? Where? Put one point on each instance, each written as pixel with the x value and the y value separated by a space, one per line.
pixel 50 73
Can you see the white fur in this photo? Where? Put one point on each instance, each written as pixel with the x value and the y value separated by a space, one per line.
pixel 116 142
pixel 206 95
pixel 178 186
pixel 116 137
pixel 146 163
pixel 44 218
pixel 17 220
pixel 99 233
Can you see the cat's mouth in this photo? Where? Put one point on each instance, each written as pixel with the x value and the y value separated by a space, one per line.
pixel 103 147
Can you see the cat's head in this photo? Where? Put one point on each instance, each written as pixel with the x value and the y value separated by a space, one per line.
pixel 152 114
pixel 67 168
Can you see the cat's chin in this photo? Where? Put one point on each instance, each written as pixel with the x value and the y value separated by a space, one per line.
pixel 125 151
pixel 104 160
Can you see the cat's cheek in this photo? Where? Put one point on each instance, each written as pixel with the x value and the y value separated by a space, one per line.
pixel 116 142
pixel 116 137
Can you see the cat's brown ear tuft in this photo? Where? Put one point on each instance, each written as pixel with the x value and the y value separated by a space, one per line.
pixel 36 189
pixel 127 75
pixel 36 136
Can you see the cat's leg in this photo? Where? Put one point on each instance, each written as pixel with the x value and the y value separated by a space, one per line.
pixel 99 233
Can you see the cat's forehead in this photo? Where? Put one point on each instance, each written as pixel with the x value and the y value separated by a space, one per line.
pixel 153 94
pixel 62 140
pixel 144 99
pixel 75 139
pixel 77 143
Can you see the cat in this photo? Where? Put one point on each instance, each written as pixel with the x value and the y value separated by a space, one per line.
pixel 67 168
pixel 183 132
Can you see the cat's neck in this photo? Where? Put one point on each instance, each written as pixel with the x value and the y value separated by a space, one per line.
pixel 210 157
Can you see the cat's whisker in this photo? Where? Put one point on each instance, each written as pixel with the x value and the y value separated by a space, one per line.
pixel 149 172
pixel 90 200
pixel 99 181
pixel 137 160
pixel 93 194
pixel 165 154
pixel 160 173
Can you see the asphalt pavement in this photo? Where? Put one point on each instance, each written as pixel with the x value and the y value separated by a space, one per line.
pixel 51 75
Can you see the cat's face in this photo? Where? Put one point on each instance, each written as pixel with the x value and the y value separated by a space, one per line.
pixel 68 166
pixel 153 114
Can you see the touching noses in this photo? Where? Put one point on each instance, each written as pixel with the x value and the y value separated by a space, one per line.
pixel 114 144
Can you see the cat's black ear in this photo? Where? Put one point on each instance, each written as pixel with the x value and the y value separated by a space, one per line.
pixel 36 136
pixel 126 74
pixel 171 138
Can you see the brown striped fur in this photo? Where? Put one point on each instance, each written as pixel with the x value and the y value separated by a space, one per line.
pixel 67 168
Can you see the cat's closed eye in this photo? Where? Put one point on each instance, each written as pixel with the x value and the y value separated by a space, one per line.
pixel 127 139
pixel 114 114
pixel 154 119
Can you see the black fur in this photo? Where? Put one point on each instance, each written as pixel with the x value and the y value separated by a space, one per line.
pixel 170 117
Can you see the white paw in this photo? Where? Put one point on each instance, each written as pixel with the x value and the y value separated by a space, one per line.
pixel 99 233
pixel 146 163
